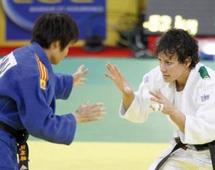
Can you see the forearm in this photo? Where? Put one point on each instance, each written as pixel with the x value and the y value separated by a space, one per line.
pixel 63 86
pixel 127 99
pixel 56 129
pixel 179 119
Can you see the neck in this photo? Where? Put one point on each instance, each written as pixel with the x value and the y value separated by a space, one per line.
pixel 181 82
pixel 47 54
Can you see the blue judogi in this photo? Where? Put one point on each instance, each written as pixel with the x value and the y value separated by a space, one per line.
pixel 28 89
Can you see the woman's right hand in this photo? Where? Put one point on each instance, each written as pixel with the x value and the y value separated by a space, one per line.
pixel 116 76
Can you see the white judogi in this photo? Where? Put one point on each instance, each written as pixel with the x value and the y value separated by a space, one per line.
pixel 197 103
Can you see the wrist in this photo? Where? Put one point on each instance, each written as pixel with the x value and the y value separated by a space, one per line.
pixel 127 91
pixel 77 119
pixel 174 114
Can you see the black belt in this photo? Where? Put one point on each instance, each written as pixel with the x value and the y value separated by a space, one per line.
pixel 179 144
pixel 22 146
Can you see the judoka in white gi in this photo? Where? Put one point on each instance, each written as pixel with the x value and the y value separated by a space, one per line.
pixel 182 89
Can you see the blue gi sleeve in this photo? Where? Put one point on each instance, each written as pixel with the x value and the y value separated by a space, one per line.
pixel 38 117
pixel 63 86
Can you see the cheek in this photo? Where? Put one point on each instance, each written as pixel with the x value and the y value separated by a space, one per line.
pixel 174 71
pixel 171 69
pixel 177 72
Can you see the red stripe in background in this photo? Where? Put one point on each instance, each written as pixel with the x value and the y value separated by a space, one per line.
pixel 81 52
pixel 6 50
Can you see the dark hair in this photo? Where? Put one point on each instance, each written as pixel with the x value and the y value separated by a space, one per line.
pixel 180 42
pixel 52 27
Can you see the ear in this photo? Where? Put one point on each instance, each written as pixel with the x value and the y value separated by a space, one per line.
pixel 188 61
pixel 55 45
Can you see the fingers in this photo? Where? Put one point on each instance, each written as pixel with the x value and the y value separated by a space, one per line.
pixel 157 107
pixel 82 70
pixel 79 77
pixel 90 112
pixel 113 72
pixel 116 76
pixel 156 93
pixel 157 96
pixel 110 72
pixel 80 81
pixel 93 108
pixel 162 104
pixel 109 76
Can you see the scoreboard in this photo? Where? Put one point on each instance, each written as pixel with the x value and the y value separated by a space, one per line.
pixel 195 16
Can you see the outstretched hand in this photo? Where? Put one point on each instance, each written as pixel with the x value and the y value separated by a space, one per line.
pixel 89 112
pixel 116 76
pixel 79 77
pixel 167 107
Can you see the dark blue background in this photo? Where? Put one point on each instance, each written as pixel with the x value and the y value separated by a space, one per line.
pixel 90 22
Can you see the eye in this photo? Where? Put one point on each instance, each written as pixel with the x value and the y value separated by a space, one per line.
pixel 168 62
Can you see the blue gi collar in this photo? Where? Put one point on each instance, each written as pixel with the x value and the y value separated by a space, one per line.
pixel 41 54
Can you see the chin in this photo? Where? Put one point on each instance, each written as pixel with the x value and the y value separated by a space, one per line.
pixel 55 62
pixel 167 80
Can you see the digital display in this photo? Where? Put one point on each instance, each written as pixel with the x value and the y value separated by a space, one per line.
pixel 195 16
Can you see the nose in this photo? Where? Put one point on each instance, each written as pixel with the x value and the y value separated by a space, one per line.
pixel 163 68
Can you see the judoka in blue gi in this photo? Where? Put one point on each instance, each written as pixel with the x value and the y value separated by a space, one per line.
pixel 29 88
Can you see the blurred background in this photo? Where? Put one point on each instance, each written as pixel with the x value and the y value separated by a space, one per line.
pixel 123 32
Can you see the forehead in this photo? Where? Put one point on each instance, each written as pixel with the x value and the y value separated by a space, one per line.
pixel 168 56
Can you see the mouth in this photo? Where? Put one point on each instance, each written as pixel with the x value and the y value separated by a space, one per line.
pixel 165 76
